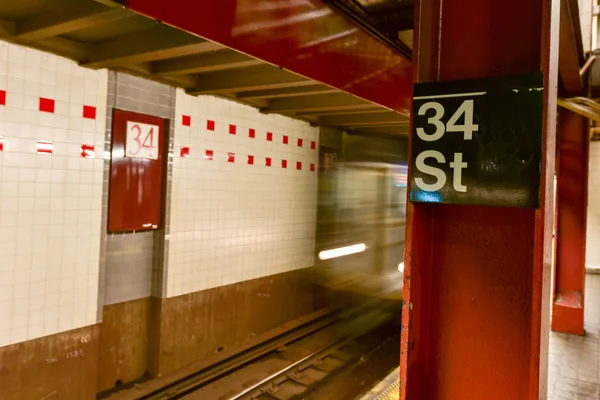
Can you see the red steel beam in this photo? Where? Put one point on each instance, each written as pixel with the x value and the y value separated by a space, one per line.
pixel 303 36
pixel 476 287
pixel 571 48
pixel 572 185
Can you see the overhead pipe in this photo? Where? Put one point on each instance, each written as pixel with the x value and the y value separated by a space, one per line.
pixel 587 65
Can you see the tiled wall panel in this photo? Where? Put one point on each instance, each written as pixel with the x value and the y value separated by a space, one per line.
pixel 243 194
pixel 593 213
pixel 132 264
pixel 50 194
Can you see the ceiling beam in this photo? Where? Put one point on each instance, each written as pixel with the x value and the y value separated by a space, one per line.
pixel 366 119
pixel 67 19
pixel 310 104
pixel 373 109
pixel 569 56
pixel 150 45
pixel 55 45
pixel 141 70
pixel 202 63
pixel 382 130
pixel 286 92
pixel 251 78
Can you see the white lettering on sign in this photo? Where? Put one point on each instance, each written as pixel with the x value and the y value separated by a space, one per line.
pixel 457 164
pixel 141 140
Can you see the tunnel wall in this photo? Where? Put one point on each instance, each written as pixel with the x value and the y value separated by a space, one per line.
pixel 246 210
pixel 84 310
pixel 50 222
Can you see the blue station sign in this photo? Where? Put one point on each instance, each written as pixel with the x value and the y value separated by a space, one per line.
pixel 478 141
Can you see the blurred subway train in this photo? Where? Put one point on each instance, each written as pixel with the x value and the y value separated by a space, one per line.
pixel 361 215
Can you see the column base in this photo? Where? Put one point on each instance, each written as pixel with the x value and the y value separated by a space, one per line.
pixel 567 313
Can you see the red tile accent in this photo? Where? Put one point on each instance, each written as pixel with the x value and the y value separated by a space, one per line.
pixel 209 154
pixel 270 136
pixel 285 139
pixel 232 129
pixel 230 157
pixel 298 165
pixel 313 145
pixel 45 147
pixel 186 120
pixel 210 125
pixel 252 133
pixel 268 161
pixel 87 151
pixel 46 105
pixel 185 152
pixel 2 97
pixel 283 163
pixel 1 143
pixel 250 160
pixel 312 167
pixel 89 112
pixel 299 142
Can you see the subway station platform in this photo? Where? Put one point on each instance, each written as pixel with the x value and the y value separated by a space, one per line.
pixel 574 361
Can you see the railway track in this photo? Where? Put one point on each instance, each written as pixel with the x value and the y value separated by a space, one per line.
pixel 295 364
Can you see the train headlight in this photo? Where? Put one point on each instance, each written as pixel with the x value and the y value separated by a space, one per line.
pixel 342 251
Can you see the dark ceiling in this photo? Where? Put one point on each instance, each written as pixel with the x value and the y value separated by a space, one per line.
pixel 390 20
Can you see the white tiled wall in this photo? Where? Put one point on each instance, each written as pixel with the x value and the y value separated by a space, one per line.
pixel 231 221
pixel 592 257
pixel 50 205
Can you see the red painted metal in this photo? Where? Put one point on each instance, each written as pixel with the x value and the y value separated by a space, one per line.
pixel 475 320
pixel 572 184
pixel 306 37
pixel 571 48
pixel 135 193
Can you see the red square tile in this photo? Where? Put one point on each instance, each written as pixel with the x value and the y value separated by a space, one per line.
pixel 87 151
pixel 299 142
pixel 298 165
pixel 46 105
pixel 283 163
pixel 252 133
pixel 186 120
pixel 209 154
pixel 89 112
pixel 250 160
pixel 270 136
pixel 230 157
pixel 1 143
pixel 313 145
pixel 45 147
pixel 2 97
pixel 312 167
pixel 268 161
pixel 185 152
pixel 210 125
pixel 232 129
pixel 285 139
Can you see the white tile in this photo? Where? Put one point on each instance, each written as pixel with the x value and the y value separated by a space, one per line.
pixel 219 209
pixel 38 219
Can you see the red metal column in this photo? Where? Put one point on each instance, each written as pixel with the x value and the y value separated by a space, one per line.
pixel 572 182
pixel 477 279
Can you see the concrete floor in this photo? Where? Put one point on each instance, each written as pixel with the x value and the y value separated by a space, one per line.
pixel 574 371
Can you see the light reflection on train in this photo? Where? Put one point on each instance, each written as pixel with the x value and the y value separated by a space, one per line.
pixel 362 215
